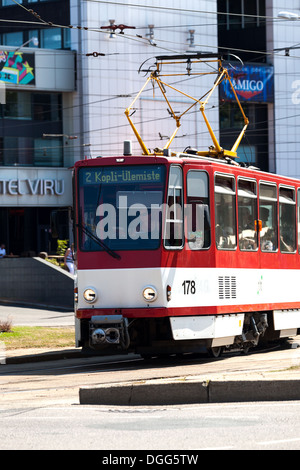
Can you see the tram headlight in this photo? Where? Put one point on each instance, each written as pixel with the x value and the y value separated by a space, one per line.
pixel 90 295
pixel 150 294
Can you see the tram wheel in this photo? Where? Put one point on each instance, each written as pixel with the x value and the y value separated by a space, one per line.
pixel 245 350
pixel 215 352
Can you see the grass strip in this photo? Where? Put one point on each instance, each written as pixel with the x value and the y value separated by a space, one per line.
pixel 38 337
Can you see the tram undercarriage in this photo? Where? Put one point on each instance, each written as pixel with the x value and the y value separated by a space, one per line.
pixel 149 336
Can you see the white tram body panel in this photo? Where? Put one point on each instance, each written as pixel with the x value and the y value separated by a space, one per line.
pixel 190 287
pixel 205 290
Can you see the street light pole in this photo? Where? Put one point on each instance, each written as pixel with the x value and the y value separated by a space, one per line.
pixel 288 15
pixel 35 42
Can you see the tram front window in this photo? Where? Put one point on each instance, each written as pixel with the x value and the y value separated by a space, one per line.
pixel 121 206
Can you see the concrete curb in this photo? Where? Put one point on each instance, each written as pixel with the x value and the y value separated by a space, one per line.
pixel 41 356
pixel 37 355
pixel 189 391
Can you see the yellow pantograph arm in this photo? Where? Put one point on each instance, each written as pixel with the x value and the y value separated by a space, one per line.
pixel 246 120
pixel 127 111
pixel 217 150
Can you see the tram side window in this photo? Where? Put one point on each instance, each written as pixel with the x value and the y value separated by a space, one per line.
pixel 225 213
pixel 287 219
pixel 268 217
pixel 247 214
pixel 174 211
pixel 298 210
pixel 197 210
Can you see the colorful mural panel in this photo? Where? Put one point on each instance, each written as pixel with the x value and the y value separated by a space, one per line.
pixel 17 68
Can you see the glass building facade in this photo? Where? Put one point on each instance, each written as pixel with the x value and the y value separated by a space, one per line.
pixel 35 193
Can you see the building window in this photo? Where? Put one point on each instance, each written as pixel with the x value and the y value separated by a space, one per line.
pixel 46 107
pixel 33 37
pixel 17 151
pixel 234 21
pixel 6 3
pixel 241 14
pixel 24 119
pixel 18 105
pixel 13 39
pixel 66 38
pixel 51 38
pixel 247 154
pixel 48 153
pixel 1 151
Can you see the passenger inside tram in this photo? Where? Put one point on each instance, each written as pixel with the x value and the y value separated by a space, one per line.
pixel 267 234
pixel 247 232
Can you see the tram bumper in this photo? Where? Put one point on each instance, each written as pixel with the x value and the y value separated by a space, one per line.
pixel 109 329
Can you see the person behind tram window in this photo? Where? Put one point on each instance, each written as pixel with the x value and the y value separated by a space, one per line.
pixel 223 229
pixel 69 259
pixel 2 250
pixel 247 233
pixel 267 234
pixel 287 232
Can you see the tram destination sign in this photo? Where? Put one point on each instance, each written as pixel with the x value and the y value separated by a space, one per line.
pixel 122 175
pixel 254 83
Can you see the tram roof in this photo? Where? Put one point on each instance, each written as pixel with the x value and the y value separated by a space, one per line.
pixel 226 165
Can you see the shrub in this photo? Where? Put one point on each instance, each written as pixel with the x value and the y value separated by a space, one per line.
pixel 5 326
pixel 62 246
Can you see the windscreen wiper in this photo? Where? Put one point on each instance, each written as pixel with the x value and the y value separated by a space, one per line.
pixel 98 241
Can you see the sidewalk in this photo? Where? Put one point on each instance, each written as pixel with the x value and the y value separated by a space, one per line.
pixel 31 316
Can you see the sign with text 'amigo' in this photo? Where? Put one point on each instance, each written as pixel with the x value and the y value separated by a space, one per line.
pixel 254 83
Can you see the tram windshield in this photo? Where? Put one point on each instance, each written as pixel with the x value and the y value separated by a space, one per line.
pixel 120 208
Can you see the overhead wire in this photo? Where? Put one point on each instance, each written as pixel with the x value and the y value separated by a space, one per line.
pixel 127 36
pixel 137 37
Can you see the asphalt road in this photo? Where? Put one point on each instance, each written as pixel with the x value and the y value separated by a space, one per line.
pixel 40 407
pixel 28 316
pixel 230 426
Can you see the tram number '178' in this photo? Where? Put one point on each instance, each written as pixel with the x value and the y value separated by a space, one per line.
pixel 189 287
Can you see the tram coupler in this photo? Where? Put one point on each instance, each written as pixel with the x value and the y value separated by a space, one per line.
pixel 109 329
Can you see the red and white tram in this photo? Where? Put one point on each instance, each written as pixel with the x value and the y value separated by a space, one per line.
pixel 200 253
pixel 179 251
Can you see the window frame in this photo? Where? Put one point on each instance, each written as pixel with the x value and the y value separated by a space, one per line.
pixel 287 203
pixel 298 219
pixel 276 215
pixel 180 219
pixel 253 196
pixel 202 171
pixel 232 177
